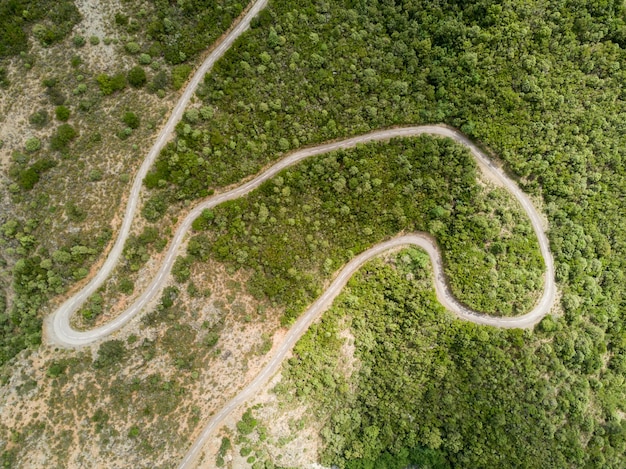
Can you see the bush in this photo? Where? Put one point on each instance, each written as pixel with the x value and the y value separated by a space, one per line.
pixel 62 113
pixel 179 75
pixel 39 118
pixel 56 97
pixel 132 48
pixel 137 77
pixel 78 41
pixel 110 353
pixel 155 208
pixel 159 81
pixel 131 120
pixel 121 19
pixel 126 286
pixel 32 144
pixel 95 175
pixel 145 59
pixel 56 369
pixel 94 40
pixel 27 178
pixel 63 136
pixel 111 84
pixel 4 80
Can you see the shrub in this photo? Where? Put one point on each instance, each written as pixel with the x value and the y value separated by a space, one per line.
pixel 132 48
pixel 131 120
pixel 192 115
pixel 39 118
pixel 126 286
pixel 110 84
pixel 62 113
pixel 121 19
pixel 137 77
pixel 145 59
pixel 95 175
pixel 155 208
pixel 56 369
pixel 32 144
pixel 94 40
pixel 27 178
pixel 110 353
pixel 63 136
pixel 78 41
pixel 4 80
pixel 179 75
pixel 159 81
pixel 56 97
pixel 125 133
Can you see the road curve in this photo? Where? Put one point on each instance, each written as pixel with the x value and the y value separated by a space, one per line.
pixel 60 332
pixel 444 295
pixel 65 311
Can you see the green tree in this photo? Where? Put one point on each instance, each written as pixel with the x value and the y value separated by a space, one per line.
pixel 137 77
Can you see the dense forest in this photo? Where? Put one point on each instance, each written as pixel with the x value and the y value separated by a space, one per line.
pixel 326 210
pixel 437 392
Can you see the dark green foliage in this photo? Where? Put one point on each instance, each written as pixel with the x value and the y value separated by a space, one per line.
pixel 136 249
pixel 126 286
pixel 539 83
pixel 137 77
pixel 36 277
pixel 131 120
pixel 159 81
pixel 181 268
pixel 62 113
pixel 121 19
pixel 79 41
pixel 28 177
pixel 56 369
pixel 49 21
pixel 247 423
pixel 55 95
pixel 329 208
pixel 4 79
pixel 179 75
pixel 111 84
pixel 39 118
pixel 64 135
pixel 182 31
pixel 155 208
pixel 110 354
pixel 431 389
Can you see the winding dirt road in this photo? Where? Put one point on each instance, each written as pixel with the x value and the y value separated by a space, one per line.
pixel 62 315
pixel 57 328
pixel 60 332
pixel 422 240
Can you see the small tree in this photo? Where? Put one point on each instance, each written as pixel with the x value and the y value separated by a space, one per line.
pixel 64 135
pixel 78 41
pixel 39 118
pixel 137 77
pixel 33 144
pixel 131 120
pixel 62 113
